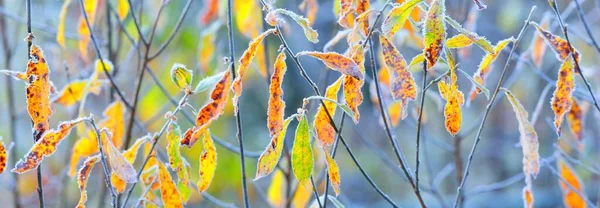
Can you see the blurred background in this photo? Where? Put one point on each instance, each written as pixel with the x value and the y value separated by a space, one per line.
pixel 200 43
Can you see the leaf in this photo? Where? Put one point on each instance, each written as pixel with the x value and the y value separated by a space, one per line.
pixel 45 146
pixel 562 98
pixel 210 11
pixel 276 105
pixel 346 14
pixel 208 162
pixel 84 147
pixel 208 82
pixel 275 196
pixel 119 165
pixel 397 17
pixel 247 17
pixel 483 43
pixel 38 91
pixel 434 32
pixel 538 47
pixel 528 138
pixel 122 9
pixel 173 151
pixel 270 156
pixel 403 85
pixel 129 155
pixel 90 7
pixel 485 67
pixel 99 67
pixel 337 62
pixel 82 178
pixel 322 124
pixel 114 120
pixel 183 182
pixel 559 45
pixel 73 92
pixel 418 59
pixel 181 76
pixel 168 191
pixel 333 171
pixel 244 63
pixel 527 197
pixel 482 88
pixel 571 198
pixel 459 41
pixel 311 7
pixel 452 109
pixel 3 156
pixel 15 74
pixel 302 156
pixel 209 112
pixel 352 86
pixel 310 33
pixel 397 112
pixel 575 119
pixel 60 32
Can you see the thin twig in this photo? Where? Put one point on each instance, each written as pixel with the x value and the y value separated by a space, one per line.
pixel 162 47
pixel 586 26
pixel 489 107
pixel 419 123
pixel 107 172
pixel 238 114
pixel 316 193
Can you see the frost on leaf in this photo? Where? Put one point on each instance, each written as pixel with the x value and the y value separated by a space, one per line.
pixel 311 34
pixel 458 41
pixel 337 62
pixel 326 132
pixel 82 178
pixel 528 138
pixel 559 45
pixel 434 32
pixel 244 63
pixel 209 112
pixel 45 146
pixel 276 105
pixel 397 17
pixel 571 198
pixel 333 172
pixel 563 94
pixel 119 165
pixel 480 41
pixel 168 191
pixel 302 156
pixel 208 162
pixel 485 67
pixel 270 157
pixel 129 155
pixel 181 76
pixel 3 156
pixel 38 91
pixel 402 84
pixel 575 119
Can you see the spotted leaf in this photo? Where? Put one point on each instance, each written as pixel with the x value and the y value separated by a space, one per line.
pixel 208 162
pixel 434 32
pixel 528 138
pixel 397 17
pixel 82 178
pixel 270 157
pixel 337 62
pixel 326 132
pixel 562 98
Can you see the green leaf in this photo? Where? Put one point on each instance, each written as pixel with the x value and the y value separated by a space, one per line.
pixel 208 82
pixel 302 156
pixel 181 76
pixel 397 17
pixel 310 33
pixel 481 87
pixel 173 151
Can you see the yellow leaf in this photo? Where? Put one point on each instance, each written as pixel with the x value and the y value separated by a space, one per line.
pixel 458 41
pixel 485 66
pixel 114 121
pixel 247 17
pixel 270 157
pixel 559 45
pixel 275 194
pixel 45 146
pixel 333 171
pixel 571 198
pixel 73 92
pixel 60 32
pixel 181 76
pixel 122 9
pixel 17 75
pixel 245 62
pixel 337 62
pixel 276 105
pixel 326 132
pixel 397 17
pixel 208 162
pixel 434 32
pixel 82 178
pixel 84 32
pixel 563 95
pixel 2 156
pixel 403 85
pixel 209 112
pixel 38 91
pixel 168 191
pixel 397 112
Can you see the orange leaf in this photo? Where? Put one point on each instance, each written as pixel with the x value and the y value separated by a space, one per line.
pixel 244 63
pixel 575 119
pixel 208 162
pixel 276 108
pixel 527 197
pixel 82 178
pixel 485 66
pixel 333 171
pixel 559 45
pixel 403 85
pixel 322 125
pixel 563 95
pixel 45 146
pixel 210 12
pixel 168 191
pixel 209 112
pixel 2 156
pixel 337 62
pixel 311 7
pixel 537 44
pixel 38 92
pixel 571 198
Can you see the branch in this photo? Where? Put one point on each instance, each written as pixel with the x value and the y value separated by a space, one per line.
pixel 489 107
pixel 107 172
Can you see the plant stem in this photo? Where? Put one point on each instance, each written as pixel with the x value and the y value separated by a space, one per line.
pixel 489 107
pixel 238 114
pixel 586 26
pixel 107 172
pixel 419 123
